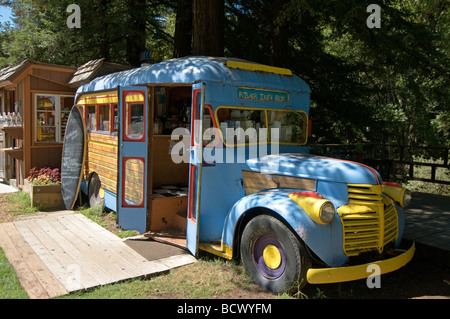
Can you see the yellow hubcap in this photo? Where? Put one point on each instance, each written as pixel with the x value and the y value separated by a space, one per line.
pixel 272 257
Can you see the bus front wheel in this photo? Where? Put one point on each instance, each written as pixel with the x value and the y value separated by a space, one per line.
pixel 273 256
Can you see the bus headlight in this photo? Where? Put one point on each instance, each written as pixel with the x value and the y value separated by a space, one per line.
pixel 319 209
pixel 406 198
pixel 326 214
pixel 400 194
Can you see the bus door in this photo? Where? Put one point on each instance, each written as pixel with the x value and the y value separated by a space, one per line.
pixel 195 168
pixel 133 144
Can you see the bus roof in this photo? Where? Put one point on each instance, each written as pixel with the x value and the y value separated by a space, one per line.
pixel 190 70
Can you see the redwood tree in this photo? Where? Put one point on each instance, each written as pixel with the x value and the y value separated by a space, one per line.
pixel 183 29
pixel 208 27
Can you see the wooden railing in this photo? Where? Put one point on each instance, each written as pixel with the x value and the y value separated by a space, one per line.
pixel 396 162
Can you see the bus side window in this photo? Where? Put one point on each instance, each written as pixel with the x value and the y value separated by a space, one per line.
pixel 104 120
pixel 291 125
pixel 91 117
pixel 115 118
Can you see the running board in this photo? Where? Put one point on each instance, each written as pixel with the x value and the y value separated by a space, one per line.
pixel 217 248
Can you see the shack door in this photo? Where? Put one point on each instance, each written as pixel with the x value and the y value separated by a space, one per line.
pixel 195 168
pixel 133 144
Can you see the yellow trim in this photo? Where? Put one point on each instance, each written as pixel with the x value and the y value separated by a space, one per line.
pixel 223 250
pixel 396 193
pixel 342 274
pixel 310 205
pixel 98 98
pixel 135 97
pixel 109 97
pixel 258 67
pixel 266 119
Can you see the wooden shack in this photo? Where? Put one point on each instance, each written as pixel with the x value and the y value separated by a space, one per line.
pixel 43 95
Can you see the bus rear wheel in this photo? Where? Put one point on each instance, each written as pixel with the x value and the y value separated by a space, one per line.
pixel 273 256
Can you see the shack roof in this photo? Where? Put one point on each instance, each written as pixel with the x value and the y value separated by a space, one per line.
pixel 94 68
pixel 8 72
pixel 190 70
pixel 13 73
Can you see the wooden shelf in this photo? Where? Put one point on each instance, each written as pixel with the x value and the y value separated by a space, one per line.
pixel 17 153
pixel 14 131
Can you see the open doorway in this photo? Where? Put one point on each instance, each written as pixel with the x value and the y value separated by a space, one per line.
pixel 169 180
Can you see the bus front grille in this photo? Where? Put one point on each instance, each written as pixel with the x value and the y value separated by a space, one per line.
pixel 370 222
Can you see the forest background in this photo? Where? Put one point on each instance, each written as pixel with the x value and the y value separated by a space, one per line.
pixel 369 85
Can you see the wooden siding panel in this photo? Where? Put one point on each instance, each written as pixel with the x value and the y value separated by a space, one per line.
pixel 102 158
pixel 255 182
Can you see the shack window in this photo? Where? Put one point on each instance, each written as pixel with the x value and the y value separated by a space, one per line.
pixel 66 106
pixel 51 114
pixel 46 125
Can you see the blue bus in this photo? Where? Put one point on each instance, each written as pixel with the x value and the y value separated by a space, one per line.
pixel 211 154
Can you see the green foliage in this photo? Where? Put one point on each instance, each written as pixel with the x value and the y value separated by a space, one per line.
pixel 387 85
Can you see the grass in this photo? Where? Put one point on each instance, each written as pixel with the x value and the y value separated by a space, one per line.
pixel 9 283
pixel 209 278
pixel 19 203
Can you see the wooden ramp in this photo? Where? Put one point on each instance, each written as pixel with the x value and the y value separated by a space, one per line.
pixel 64 252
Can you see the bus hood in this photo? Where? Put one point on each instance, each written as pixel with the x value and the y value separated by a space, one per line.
pixel 316 167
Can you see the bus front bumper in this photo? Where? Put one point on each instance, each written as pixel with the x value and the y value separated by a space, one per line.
pixel 349 273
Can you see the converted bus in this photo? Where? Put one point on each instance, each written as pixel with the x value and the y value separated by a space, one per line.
pixel 243 184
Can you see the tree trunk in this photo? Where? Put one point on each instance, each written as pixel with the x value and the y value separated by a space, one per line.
pixel 104 39
pixel 183 29
pixel 136 31
pixel 208 27
pixel 280 40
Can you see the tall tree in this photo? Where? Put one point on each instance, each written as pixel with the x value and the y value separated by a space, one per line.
pixel 183 29
pixel 135 31
pixel 208 27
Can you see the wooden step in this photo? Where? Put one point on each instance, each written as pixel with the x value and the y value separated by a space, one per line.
pixel 174 237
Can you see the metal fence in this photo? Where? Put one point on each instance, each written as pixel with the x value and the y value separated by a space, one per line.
pixel 398 162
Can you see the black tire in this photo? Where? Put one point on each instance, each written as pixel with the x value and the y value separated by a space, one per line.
pixel 273 256
pixel 95 192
